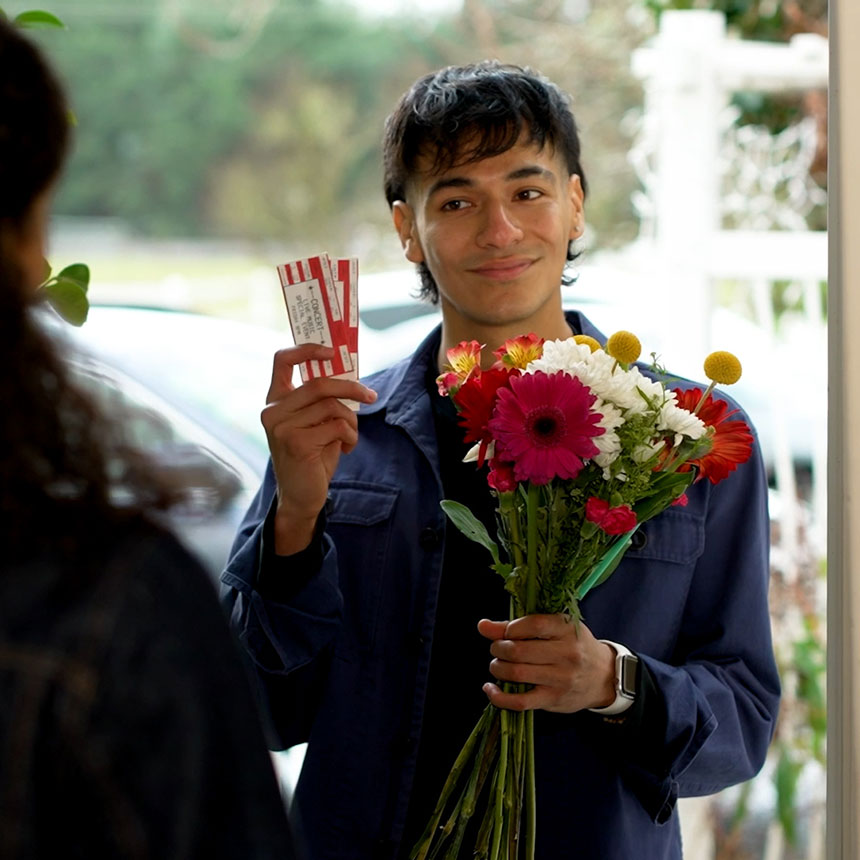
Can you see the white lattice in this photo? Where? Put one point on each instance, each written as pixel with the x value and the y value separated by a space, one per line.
pixel 766 183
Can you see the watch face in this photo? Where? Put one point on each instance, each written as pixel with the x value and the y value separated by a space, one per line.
pixel 629 675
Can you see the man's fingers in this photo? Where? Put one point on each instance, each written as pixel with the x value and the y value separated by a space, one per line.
pixel 533 699
pixel 284 362
pixel 306 443
pixel 527 627
pixel 535 651
pixel 492 629
pixel 537 675
pixel 282 417
pixel 539 627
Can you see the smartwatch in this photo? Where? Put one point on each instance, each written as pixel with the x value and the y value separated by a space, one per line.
pixel 626 677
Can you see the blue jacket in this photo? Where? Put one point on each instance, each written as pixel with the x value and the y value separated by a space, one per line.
pixel 342 656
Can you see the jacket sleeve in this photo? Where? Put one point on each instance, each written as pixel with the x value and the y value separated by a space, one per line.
pixel 286 612
pixel 709 710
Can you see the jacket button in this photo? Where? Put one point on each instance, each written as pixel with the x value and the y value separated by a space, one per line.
pixel 639 540
pixel 429 538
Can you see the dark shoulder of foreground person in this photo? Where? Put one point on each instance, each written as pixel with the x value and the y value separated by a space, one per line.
pixel 177 745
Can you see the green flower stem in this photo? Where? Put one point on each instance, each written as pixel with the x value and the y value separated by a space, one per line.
pixel 466 808
pixel 482 842
pixel 531 546
pixel 501 775
pixel 530 795
pixel 419 852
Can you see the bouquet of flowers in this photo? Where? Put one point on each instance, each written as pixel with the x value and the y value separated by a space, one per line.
pixel 582 448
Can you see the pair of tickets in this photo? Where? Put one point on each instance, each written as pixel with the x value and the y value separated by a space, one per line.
pixel 321 294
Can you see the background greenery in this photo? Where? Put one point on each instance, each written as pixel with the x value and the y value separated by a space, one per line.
pixel 258 120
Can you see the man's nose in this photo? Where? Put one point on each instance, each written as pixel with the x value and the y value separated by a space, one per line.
pixel 499 228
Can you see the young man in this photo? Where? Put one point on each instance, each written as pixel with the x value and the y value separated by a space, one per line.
pixel 359 604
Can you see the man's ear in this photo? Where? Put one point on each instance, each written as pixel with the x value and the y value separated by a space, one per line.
pixel 404 224
pixel 577 200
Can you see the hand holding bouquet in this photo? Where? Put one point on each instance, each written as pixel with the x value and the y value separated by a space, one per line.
pixel 582 448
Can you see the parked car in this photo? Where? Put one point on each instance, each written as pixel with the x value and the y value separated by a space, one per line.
pixel 190 389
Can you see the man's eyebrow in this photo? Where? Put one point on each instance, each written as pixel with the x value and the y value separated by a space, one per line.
pixel 532 170
pixel 513 176
pixel 449 182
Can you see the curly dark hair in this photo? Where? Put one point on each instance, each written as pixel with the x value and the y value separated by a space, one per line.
pixel 462 114
pixel 63 465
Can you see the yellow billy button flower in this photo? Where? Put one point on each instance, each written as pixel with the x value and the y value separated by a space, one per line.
pixel 624 347
pixel 587 340
pixel 723 368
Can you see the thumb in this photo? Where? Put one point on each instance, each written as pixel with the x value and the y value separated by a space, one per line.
pixel 492 629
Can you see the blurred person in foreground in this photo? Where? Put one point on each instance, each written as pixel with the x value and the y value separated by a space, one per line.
pixel 358 599
pixel 127 726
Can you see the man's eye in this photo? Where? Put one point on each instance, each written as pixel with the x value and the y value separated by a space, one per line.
pixel 529 194
pixel 454 205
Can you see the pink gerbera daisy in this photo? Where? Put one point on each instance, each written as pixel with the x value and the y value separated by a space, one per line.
pixel 544 424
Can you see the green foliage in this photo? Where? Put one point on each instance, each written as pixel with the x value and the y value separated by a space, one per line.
pixel 766 21
pixel 470 526
pixel 38 20
pixel 204 118
pixel 66 292
pixel 205 121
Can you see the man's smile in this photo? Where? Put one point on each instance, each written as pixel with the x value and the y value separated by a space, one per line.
pixel 503 270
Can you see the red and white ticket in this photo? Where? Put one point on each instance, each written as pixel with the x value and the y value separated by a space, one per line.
pixel 345 271
pixel 315 314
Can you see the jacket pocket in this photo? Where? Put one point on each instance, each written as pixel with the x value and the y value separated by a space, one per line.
pixel 676 536
pixel 360 522
pixel 642 604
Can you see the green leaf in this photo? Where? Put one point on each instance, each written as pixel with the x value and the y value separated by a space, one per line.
pixel 79 273
pixel 37 19
pixel 68 299
pixel 785 780
pixel 470 526
pixel 665 488
pixel 503 569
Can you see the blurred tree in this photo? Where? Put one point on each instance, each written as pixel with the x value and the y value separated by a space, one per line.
pixel 771 21
pixel 262 119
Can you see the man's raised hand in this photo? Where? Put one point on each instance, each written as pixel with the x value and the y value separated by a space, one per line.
pixel 308 428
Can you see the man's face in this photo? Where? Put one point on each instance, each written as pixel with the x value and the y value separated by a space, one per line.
pixel 494 234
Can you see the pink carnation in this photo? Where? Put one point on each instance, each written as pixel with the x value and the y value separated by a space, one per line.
pixel 614 521
pixel 501 476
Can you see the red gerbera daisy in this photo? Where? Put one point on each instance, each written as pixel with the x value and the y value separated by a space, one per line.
pixel 732 440
pixel 475 400
pixel 544 424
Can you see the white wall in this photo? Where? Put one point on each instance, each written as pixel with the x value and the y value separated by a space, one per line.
pixel 844 414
